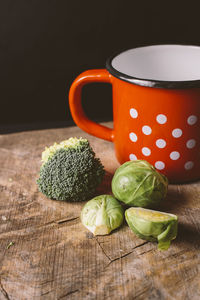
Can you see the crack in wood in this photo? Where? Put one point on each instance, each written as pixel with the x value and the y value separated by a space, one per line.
pixel 146 251
pixel 104 242
pixel 126 254
pixel 46 293
pixel 66 220
pixel 4 292
pixel 46 224
pixel 45 282
pixel 26 204
pixel 57 222
pixel 25 230
pixel 103 250
pixel 141 293
pixel 69 293
pixel 120 257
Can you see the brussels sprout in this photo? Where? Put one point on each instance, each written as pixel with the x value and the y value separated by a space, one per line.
pixel 137 183
pixel 102 214
pixel 152 225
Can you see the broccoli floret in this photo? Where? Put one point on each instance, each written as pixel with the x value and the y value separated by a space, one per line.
pixel 70 171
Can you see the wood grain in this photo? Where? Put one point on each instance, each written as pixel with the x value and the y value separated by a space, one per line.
pixel 47 254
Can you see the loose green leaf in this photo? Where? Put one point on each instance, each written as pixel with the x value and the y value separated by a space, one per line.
pixel 9 245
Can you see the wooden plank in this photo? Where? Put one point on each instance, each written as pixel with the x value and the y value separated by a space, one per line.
pixel 47 254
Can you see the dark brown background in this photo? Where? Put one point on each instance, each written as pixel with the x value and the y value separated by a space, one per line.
pixel 44 45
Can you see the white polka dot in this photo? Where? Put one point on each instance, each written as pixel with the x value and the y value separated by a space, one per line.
pixel 132 157
pixel 146 151
pixel 133 113
pixel 161 119
pixel 174 155
pixel 177 132
pixel 133 137
pixel 191 144
pixel 160 165
pixel 160 143
pixel 192 119
pixel 146 129
pixel 189 165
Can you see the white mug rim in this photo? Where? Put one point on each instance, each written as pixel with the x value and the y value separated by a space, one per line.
pixel 149 82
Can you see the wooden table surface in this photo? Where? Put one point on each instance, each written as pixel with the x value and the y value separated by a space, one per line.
pixel 46 253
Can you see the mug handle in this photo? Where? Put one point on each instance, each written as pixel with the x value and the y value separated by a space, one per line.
pixel 78 115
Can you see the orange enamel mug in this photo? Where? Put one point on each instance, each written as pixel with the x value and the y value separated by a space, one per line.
pixel 156 107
